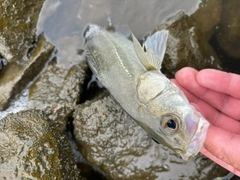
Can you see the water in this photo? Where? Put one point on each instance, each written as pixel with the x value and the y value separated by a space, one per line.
pixel 18 104
pixel 64 22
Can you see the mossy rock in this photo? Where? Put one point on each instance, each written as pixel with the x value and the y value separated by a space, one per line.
pixel 31 148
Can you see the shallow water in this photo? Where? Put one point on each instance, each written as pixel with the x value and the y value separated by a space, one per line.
pixel 64 22
pixel 19 104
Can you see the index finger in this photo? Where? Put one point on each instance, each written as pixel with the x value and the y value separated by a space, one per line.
pixel 220 81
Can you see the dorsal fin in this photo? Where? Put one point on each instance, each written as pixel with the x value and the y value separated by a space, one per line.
pixel 156 47
pixel 141 54
pixel 158 43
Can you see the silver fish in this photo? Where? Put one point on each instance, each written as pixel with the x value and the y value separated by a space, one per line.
pixel 134 79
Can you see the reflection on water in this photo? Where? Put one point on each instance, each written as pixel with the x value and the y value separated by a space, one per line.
pixel 61 18
pixel 63 22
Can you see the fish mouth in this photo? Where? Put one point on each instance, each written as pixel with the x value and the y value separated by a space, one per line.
pixel 197 139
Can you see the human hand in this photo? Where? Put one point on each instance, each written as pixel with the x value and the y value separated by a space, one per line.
pixel 216 95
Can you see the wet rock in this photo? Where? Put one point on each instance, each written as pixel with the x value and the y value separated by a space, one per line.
pixel 228 34
pixel 186 46
pixel 16 75
pixel 207 17
pixel 31 148
pixel 57 91
pixel 109 138
pixel 17 28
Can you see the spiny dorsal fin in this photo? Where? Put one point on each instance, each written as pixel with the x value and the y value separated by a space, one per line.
pixel 156 47
pixel 141 54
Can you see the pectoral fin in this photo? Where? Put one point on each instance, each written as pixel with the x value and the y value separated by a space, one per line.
pixel 156 47
pixel 155 141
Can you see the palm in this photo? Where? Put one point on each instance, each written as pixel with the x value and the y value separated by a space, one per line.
pixel 217 96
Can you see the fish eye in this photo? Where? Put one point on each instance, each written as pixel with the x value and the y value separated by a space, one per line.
pixel 169 124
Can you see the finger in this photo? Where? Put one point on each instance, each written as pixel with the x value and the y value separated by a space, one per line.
pixel 220 162
pixel 225 103
pixel 220 81
pixel 217 118
pixel 223 145
pixel 211 114
pixel 189 95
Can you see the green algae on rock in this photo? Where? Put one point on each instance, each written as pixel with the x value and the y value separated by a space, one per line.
pixel 18 22
pixel 31 148
pixel 57 91
pixel 110 139
pixel 15 76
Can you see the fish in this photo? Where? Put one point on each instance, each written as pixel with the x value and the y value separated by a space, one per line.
pixel 132 74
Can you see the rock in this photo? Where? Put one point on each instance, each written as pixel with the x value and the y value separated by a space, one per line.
pixel 110 139
pixel 31 148
pixel 186 46
pixel 57 91
pixel 207 17
pixel 18 22
pixel 228 34
pixel 16 75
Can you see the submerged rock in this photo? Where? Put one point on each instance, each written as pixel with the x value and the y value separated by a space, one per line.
pixel 15 76
pixel 186 46
pixel 110 139
pixel 228 33
pixel 207 17
pixel 18 22
pixel 31 148
pixel 57 92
